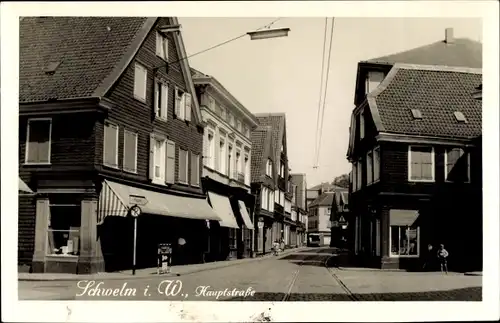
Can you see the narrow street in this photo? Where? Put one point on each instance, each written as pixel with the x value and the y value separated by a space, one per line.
pixel 300 276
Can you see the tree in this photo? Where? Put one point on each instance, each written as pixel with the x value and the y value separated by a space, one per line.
pixel 342 181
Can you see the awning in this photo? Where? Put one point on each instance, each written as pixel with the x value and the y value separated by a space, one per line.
pixel 222 207
pixel 116 198
pixel 23 187
pixel 245 216
pixel 403 217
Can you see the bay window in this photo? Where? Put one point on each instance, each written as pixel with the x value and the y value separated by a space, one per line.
pixel 38 141
pixel 457 165
pixel 421 163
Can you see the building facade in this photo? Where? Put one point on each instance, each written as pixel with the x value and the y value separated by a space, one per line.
pixel 226 167
pixel 299 206
pixel 415 154
pixel 270 180
pixel 106 123
pixel 342 226
pixel 320 218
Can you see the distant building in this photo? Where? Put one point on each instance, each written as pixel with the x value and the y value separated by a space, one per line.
pixel 343 224
pixel 299 206
pixel 320 217
pixel 415 151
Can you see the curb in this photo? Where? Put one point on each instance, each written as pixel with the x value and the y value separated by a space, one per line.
pixel 473 274
pixel 153 275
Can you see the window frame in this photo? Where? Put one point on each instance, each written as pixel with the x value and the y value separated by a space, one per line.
pixel 104 145
pixel 26 149
pixel 361 125
pixel 48 230
pixel 369 166
pixel 377 167
pixel 164 41
pixel 391 255
pixel 186 182
pixel 446 164
pixel 160 83
pixel 136 96
pixel 163 153
pixel 125 131
pixel 433 169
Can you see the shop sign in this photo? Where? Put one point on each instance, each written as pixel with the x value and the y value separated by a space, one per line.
pixel 164 257
pixel 138 200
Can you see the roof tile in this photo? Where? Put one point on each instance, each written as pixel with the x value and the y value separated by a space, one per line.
pixel 88 48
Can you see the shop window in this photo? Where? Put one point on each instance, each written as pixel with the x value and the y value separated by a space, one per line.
pixel 63 234
pixel 404 241
pixel 233 234
pixel 247 238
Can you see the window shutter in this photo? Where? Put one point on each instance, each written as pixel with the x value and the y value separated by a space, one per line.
pixel 177 109
pixel 151 157
pixel 164 101
pixel 170 162
pixel 159 44
pixel 157 98
pixel 188 106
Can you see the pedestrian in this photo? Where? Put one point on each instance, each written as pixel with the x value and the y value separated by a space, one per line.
pixel 275 247
pixel 282 245
pixel 429 257
pixel 442 255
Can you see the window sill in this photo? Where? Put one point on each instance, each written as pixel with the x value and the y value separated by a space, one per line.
pixel 453 182
pixel 404 256
pixel 142 100
pixel 130 171
pixel 162 119
pixel 61 257
pixel 111 166
pixel 159 182
pixel 421 180
pixel 183 183
pixel 37 164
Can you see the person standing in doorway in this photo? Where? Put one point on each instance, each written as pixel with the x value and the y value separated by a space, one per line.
pixel 442 256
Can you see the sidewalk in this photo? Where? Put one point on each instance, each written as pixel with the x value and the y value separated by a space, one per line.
pixel 149 272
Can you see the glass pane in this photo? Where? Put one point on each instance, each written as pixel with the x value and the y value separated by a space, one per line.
pixel 416 170
pixel 413 241
pixel 427 171
pixel 394 240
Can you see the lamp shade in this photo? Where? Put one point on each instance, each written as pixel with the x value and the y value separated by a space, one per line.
pixel 269 33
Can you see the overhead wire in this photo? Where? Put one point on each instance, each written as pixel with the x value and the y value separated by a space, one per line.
pixel 320 93
pixel 224 42
pixel 326 91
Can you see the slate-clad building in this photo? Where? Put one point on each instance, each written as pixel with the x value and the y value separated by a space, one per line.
pixel 106 123
pixel 416 156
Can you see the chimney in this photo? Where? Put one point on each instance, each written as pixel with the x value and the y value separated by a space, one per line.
pixel 448 36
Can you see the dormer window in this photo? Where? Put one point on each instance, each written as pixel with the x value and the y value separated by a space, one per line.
pixel 373 79
pixel 460 116
pixel 416 113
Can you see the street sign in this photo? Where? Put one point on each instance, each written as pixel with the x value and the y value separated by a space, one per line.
pixel 137 199
pixel 342 220
pixel 135 211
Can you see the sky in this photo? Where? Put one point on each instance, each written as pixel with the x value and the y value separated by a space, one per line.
pixel 284 74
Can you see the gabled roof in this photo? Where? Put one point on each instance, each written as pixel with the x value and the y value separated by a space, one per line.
pixel 325 199
pixel 461 52
pixel 86 55
pixel 436 91
pixel 261 146
pixel 276 121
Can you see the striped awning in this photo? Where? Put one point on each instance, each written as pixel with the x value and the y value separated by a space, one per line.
pixel 117 198
pixel 245 216
pixel 23 187
pixel 110 203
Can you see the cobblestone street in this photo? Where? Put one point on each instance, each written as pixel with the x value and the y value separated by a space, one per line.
pixel 299 276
